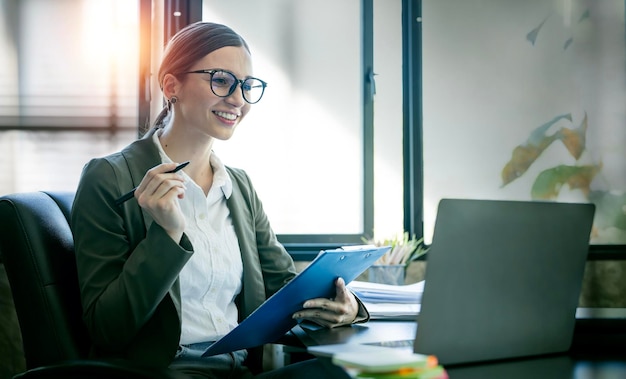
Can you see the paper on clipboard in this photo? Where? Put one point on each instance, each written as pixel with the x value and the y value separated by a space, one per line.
pixel 273 319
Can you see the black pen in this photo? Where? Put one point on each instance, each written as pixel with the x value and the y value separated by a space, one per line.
pixel 130 194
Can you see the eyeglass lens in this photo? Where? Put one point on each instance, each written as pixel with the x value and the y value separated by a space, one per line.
pixel 224 83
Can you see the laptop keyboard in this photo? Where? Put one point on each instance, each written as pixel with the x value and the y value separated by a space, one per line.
pixel 393 344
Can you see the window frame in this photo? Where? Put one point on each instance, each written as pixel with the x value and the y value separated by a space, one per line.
pixel 412 117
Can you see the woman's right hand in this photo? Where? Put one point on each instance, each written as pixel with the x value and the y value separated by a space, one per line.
pixel 158 194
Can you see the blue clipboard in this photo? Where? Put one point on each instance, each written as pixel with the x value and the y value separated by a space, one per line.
pixel 273 319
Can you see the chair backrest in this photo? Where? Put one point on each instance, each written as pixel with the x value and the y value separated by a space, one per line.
pixel 37 248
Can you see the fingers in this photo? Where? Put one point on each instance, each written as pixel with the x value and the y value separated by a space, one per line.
pixel 158 185
pixel 323 314
pixel 331 313
pixel 157 194
pixel 341 290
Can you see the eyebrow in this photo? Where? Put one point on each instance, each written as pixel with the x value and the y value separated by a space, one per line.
pixel 224 69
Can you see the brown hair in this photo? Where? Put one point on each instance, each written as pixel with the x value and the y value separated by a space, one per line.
pixel 188 46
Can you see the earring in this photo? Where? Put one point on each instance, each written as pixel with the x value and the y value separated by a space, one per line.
pixel 171 101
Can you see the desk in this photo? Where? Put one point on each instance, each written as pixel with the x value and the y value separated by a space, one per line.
pixel 373 331
pixel 552 367
pixel 590 362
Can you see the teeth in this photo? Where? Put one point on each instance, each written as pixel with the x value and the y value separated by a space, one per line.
pixel 228 116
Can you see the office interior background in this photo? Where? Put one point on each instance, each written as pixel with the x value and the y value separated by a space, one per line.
pixel 375 109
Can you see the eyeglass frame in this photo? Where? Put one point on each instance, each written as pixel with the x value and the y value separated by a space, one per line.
pixel 238 83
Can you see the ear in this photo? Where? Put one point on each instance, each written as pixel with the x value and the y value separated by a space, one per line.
pixel 171 86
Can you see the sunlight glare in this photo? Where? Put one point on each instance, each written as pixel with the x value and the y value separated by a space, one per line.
pixel 109 32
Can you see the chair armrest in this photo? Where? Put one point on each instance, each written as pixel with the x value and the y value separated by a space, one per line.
pixel 99 369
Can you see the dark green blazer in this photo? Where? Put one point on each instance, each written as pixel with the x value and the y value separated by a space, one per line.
pixel 128 266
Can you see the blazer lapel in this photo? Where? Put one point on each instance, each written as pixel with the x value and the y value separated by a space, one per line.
pixel 141 157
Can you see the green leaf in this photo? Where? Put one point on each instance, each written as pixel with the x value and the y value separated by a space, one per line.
pixel 549 182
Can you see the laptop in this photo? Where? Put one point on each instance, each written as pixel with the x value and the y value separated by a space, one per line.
pixel 503 280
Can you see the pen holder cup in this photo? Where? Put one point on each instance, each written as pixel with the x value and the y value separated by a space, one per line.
pixel 387 274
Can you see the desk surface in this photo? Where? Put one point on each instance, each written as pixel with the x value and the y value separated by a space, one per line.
pixel 584 364
pixel 373 331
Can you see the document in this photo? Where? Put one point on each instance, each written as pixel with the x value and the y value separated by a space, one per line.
pixel 389 302
pixel 387 293
pixel 393 311
pixel 273 319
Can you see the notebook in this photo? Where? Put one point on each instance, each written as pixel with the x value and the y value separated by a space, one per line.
pixel 502 280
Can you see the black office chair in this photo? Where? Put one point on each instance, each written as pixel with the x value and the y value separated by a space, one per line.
pixel 37 249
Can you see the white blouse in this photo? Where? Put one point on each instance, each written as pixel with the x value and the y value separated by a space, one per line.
pixel 212 278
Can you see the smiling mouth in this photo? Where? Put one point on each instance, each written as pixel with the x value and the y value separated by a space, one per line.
pixel 228 116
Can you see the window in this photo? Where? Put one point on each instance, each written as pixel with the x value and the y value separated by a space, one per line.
pixel 323 149
pixel 388 119
pixel 302 144
pixel 526 100
pixel 331 136
pixel 69 77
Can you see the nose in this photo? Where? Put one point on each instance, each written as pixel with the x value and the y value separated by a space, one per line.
pixel 236 97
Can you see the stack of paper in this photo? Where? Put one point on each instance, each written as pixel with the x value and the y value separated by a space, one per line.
pixel 390 364
pixel 384 301
pixel 386 293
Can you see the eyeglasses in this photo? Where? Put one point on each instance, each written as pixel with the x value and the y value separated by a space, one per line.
pixel 224 83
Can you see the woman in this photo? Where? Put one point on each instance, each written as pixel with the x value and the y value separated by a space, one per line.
pixel 193 253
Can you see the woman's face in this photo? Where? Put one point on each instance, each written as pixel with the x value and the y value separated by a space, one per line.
pixel 203 111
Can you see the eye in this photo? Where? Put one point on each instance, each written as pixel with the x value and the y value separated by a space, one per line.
pixel 220 81
pixel 252 84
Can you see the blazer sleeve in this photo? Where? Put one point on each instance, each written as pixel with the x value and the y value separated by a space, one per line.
pixel 121 282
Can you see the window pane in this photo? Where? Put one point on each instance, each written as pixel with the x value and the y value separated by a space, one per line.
pixel 388 195
pixel 52 161
pixel 69 74
pixel 526 100
pixel 302 144
pixel 70 63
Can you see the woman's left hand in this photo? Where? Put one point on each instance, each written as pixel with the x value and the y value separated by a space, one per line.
pixel 341 310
